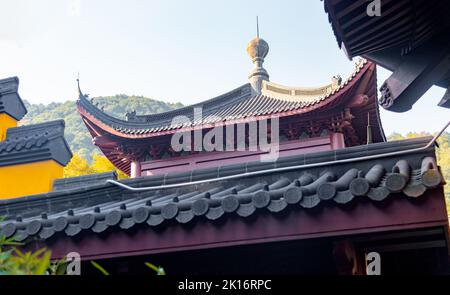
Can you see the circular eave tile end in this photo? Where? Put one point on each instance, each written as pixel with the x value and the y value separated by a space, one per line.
pixel 359 187
pixel 261 199
pixel 395 183
pixel 169 211
pixel 140 215
pixel 326 191
pixel 293 195
pixel 230 204
pixel 200 207
pixel 431 178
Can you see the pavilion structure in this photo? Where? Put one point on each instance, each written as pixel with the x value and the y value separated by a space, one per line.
pixel 337 193
pixel 33 156
pixel 329 117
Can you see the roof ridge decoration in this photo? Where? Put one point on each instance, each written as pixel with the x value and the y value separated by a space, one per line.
pixel 258 49
pixel 10 101
pixel 307 94
pixel 33 143
pixel 82 181
pixel 50 128
pixel 44 216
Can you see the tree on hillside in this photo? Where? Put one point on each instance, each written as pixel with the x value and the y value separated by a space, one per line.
pixel 76 132
pixel 102 164
pixel 79 166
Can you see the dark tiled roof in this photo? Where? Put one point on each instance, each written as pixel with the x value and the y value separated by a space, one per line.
pixel 445 101
pixel 101 206
pixel 162 121
pixel 82 181
pixel 33 143
pixel 234 105
pixel 397 27
pixel 10 101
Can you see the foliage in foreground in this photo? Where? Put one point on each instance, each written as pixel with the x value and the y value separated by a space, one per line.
pixel 158 269
pixel 15 262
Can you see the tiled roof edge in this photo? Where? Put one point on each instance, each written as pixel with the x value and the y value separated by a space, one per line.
pixel 82 181
pixel 111 120
pixel 376 184
pixel 33 143
pixel 25 130
pixel 10 101
pixel 177 177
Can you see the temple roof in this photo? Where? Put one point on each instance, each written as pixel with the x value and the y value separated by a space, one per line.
pixel 10 101
pixel 408 37
pixel 33 143
pixel 372 173
pixel 238 105
pixel 402 24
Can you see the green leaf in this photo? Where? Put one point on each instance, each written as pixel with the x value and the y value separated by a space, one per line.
pixel 158 269
pixel 59 267
pixel 100 268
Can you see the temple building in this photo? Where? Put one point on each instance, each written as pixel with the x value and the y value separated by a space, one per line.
pixel 325 118
pixel 31 157
pixel 407 37
pixel 269 179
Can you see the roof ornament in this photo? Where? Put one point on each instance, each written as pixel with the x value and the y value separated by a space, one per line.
pixel 336 81
pixel 257 49
pixel 360 62
pixel 257 27
pixel 80 93
pixel 131 115
pixel 78 84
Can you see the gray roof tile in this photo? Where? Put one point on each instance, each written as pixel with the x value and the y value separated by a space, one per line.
pixel 33 143
pixel 10 101
pixel 101 206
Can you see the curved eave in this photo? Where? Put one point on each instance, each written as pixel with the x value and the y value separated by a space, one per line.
pixel 97 121
pixel 120 163
pixel 403 23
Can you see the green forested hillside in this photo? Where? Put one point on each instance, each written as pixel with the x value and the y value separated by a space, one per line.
pixel 76 133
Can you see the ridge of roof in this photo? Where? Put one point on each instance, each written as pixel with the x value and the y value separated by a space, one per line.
pixel 33 143
pixel 10 101
pixel 239 92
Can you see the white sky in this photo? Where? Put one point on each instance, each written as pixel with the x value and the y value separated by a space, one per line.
pixel 170 50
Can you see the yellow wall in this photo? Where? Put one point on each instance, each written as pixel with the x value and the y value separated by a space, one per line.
pixel 28 179
pixel 6 122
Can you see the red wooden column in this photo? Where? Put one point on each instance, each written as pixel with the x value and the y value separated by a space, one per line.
pixel 135 169
pixel 337 140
